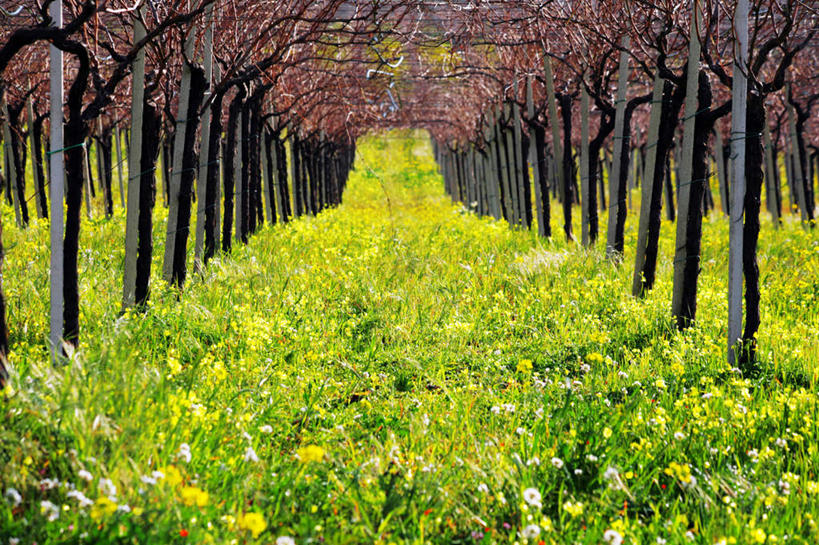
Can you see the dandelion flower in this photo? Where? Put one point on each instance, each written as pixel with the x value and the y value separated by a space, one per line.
pixel 612 537
pixel 13 497
pixel 531 531
pixel 253 522
pixel 532 497
pixel 310 453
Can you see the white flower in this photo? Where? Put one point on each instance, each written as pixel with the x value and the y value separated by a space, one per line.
pixel 557 462
pixel 661 540
pixel 591 457
pixel 107 487
pixel 14 541
pixel 612 537
pixel 50 510
pixel 483 489
pixel 85 475
pixel 781 443
pixel 611 474
pixel 533 461
pixel 267 428
pixel 622 374
pixel 495 409
pixel 532 497
pixel 81 498
pixel 148 480
pixel 679 436
pixel 48 484
pixel 250 455
pixel 124 508
pixel 285 540
pixel 585 367
pixel 531 531
pixel 184 452
pixel 520 431
pixel 13 497
pixel 158 475
pixel 578 472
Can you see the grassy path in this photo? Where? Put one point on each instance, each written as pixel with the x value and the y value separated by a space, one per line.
pixel 398 371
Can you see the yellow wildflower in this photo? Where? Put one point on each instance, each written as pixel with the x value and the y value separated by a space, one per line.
pixel 310 453
pixel 192 495
pixel 524 366
pixel 102 507
pixel 575 509
pixel 253 522
pixel 172 475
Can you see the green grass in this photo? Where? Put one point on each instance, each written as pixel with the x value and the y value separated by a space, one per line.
pixel 441 363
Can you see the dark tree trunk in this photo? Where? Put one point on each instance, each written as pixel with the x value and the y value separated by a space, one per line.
pixel 755 121
pixel 622 183
pixel 212 182
pixel 37 156
pixel 243 220
pixel 18 156
pixel 672 102
pixel 75 132
pixel 595 144
pixel 232 147
pixel 271 174
pixel 568 164
pixel 669 191
pixel 526 195
pixel 702 130
pixel 151 127
pixel 804 158
pixel 189 162
pixel 540 143
pixel 104 149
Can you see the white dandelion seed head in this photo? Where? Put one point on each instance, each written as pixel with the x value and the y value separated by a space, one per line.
pixel 532 497
pixel 251 456
pixel 612 537
pixel 531 531
pixel 13 497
